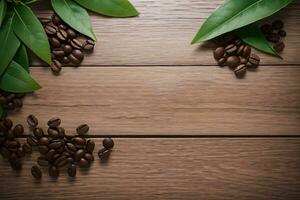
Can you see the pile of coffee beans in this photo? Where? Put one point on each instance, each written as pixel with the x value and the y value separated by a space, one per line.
pixel 236 55
pixel 11 101
pixel 67 45
pixel 275 33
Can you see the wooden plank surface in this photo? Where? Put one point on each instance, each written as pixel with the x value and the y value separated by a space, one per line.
pixel 170 100
pixel 172 169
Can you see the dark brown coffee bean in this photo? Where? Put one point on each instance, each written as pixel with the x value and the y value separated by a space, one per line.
pixel 54 122
pixel 8 124
pixel 70 148
pixel 273 37
pixel 53 133
pixel 42 161
pixel 222 62
pixel 53 171
pixel 68 49
pixel 12 144
pixel 83 163
pixel 44 21
pixel 70 160
pixel 78 141
pixel 219 53
pixel 76 44
pixel 267 28
pixel 238 42
pixel 88 45
pixel 231 49
pixel 60 149
pixel 90 146
pixel 18 130
pixel 63 26
pixel 60 161
pixel 50 154
pixel 104 154
pixel 55 67
pixel 78 154
pixel 58 53
pixel 232 62
pixel 243 60
pixel 36 172
pixel 50 29
pixel 108 143
pixel 65 60
pixel 55 144
pixel 61 132
pixel 72 170
pixel 32 121
pixel 44 141
pixel 27 148
pixel 71 33
pixel 62 34
pixel 43 149
pixel 20 153
pixel 279 47
pixel 32 140
pixel 56 20
pixel 73 59
pixel 278 24
pixel 38 132
pixel 82 129
pixel 89 157
pixel 55 43
pixel 240 71
pixel 78 54
pixel 244 50
pixel 282 33
pixel 253 61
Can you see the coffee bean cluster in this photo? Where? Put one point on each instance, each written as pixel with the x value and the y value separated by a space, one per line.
pixel 67 45
pixel 236 55
pixel 10 147
pixel 275 33
pixel 11 101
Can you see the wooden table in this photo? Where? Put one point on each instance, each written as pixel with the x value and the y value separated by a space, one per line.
pixel 183 127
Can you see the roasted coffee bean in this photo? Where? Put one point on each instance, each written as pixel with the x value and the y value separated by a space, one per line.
pixel 77 54
pixel 71 33
pixel 60 149
pixel 53 133
pixel 219 53
pixel 54 122
pixel 44 141
pixel 244 50
pixel 55 144
pixel 20 153
pixel 73 59
pixel 62 34
pixel 76 44
pixel 32 121
pixel 82 129
pixel 63 26
pixel 72 170
pixel 15 164
pixel 36 172
pixel 90 146
pixel 253 61
pixel 53 171
pixel 42 161
pixel 108 143
pixel 50 29
pixel 27 148
pixel 243 60
pixel 78 141
pixel 70 160
pixel 232 62
pixel 61 132
pixel 78 154
pixel 222 62
pixel 70 148
pixel 55 43
pixel 8 124
pixel 32 140
pixel 282 33
pixel 238 42
pixel 58 53
pixel 279 47
pixel 43 149
pixel 240 71
pixel 65 60
pixel 60 161
pixel 278 24
pixel 4 152
pixel 88 45
pixel 38 132
pixel 83 163
pixel 11 144
pixel 44 21
pixel 104 154
pixel 50 154
pixel 18 130
pixel 68 49
pixel 89 157
pixel 267 28
pixel 231 49
pixel 55 67
pixel 56 20
pixel 273 37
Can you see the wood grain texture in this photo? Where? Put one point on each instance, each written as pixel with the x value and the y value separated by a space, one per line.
pixel 163 32
pixel 169 100
pixel 172 169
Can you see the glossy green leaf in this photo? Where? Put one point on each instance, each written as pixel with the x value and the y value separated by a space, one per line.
pixel 3 7
pixel 17 79
pixel 29 29
pixel 235 14
pixel 21 57
pixel 9 44
pixel 111 8
pixel 74 15
pixel 253 36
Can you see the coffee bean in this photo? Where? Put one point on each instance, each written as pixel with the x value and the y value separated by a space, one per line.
pixel 90 146
pixel 219 53
pixel 82 129
pixel 68 49
pixel 12 144
pixel 231 49
pixel 282 33
pixel 70 148
pixel 63 26
pixel 253 61
pixel 50 29
pixel 32 140
pixel 278 24
pixel 70 160
pixel 58 53
pixel 50 154
pixel 279 47
pixel 238 42
pixel 108 143
pixel 55 144
pixel 32 121
pixel 78 54
pixel 43 149
pixel 56 20
pixel 55 43
pixel 44 141
pixel 240 71
pixel 273 37
pixel 36 172
pixel 267 28
pixel 55 67
pixel 222 62
pixel 76 44
pixel 83 163
pixel 88 45
pixel 53 133
pixel 89 157
pixel 62 34
pixel 72 170
pixel 78 141
pixel 38 132
pixel 232 62
pixel 244 51
pixel 61 132
pixel 60 161
pixel 71 33
pixel 42 161
pixel 73 59
pixel 60 149
pixel 104 154
pixel 53 171
pixel 44 21
pixel 78 154
pixel 27 148
pixel 243 60
pixel 65 60
pixel 54 122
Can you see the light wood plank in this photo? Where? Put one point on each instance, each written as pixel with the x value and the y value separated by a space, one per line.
pixel 170 100
pixel 163 32
pixel 172 169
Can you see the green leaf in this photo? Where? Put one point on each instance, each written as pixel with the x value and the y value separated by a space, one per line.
pixel 253 36
pixel 235 14
pixel 74 15
pixel 3 7
pixel 29 29
pixel 9 44
pixel 111 8
pixel 21 57
pixel 17 79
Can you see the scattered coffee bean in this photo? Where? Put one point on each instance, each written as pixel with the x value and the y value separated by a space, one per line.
pixel 219 53
pixel 76 44
pixel 38 133
pixel 68 49
pixel 44 141
pixel 90 145
pixel 27 148
pixel 43 149
pixel 240 71
pixel 32 140
pixel 279 47
pixel 83 163
pixel 58 53
pixel 53 171
pixel 32 121
pixel 54 122
pixel 82 129
pixel 55 67
pixel 50 29
pixel 273 37
pixel 108 143
pixel 72 170
pixel 254 61
pixel 36 172
pixel 104 154
pixel 232 62
pixel 88 45
pixel 231 49
pixel 55 42
pixel 42 161
pixel 62 34
pixel 18 130
pixel 71 33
